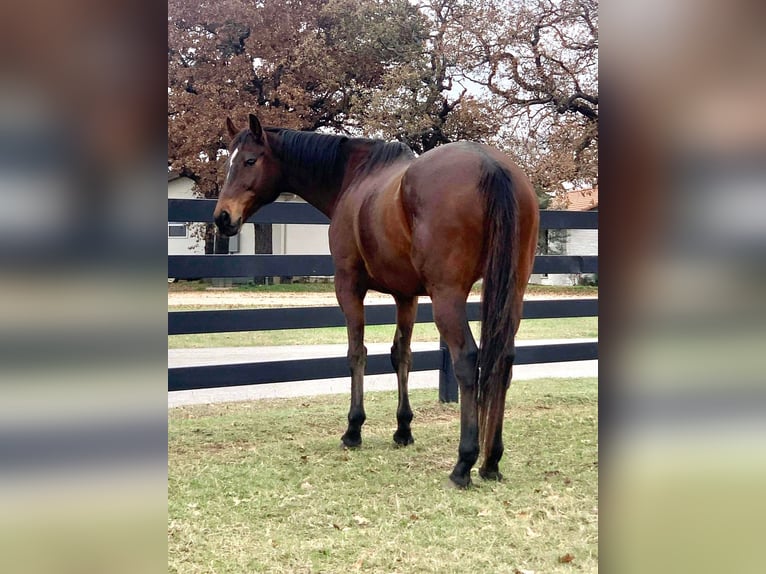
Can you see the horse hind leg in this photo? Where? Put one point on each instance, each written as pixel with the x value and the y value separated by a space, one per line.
pixel 401 359
pixel 490 470
pixel 450 317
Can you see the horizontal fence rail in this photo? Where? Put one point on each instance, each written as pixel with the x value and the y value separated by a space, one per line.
pixel 213 376
pixel 201 211
pixel 198 266
pixel 193 322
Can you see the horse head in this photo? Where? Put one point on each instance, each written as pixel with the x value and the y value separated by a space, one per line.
pixel 251 180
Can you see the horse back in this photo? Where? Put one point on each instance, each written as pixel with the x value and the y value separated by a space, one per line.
pixel 420 224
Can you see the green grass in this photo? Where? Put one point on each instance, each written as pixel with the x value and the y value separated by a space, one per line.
pixel 287 288
pixel 567 328
pixel 183 285
pixel 264 487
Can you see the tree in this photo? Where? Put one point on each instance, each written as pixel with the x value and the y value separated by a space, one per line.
pixel 419 102
pixel 520 75
pixel 304 64
pixel 539 60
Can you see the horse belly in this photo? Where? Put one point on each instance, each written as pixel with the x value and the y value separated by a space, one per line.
pixel 385 242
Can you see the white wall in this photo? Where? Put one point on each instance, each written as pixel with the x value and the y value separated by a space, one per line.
pixel 299 239
pixel 582 242
pixel 181 188
pixel 189 245
pixel 574 242
pixel 247 239
pixel 193 244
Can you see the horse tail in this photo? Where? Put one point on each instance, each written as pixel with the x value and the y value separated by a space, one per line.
pixel 498 310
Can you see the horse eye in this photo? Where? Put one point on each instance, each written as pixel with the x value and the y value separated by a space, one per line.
pixel 250 161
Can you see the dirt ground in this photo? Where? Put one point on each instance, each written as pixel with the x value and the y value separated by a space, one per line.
pixel 266 300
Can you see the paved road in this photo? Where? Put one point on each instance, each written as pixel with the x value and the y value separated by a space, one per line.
pixel 418 380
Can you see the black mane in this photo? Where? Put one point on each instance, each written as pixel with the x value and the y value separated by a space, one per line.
pixel 324 156
pixel 318 155
pixel 383 154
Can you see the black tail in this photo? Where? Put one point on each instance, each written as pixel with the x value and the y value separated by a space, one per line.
pixel 498 320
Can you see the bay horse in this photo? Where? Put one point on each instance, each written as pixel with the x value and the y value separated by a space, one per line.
pixel 408 226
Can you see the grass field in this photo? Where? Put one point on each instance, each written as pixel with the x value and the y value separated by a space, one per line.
pixel 264 487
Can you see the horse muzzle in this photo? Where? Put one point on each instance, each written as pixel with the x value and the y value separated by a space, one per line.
pixel 225 225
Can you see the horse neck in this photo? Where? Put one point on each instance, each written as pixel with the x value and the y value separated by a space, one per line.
pixel 323 198
pixel 319 188
pixel 324 195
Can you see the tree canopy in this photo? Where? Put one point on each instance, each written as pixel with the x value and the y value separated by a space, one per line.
pixel 520 75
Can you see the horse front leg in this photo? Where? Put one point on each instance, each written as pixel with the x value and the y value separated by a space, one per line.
pixel 401 359
pixel 351 299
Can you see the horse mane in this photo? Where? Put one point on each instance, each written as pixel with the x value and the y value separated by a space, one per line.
pixel 383 154
pixel 324 156
pixel 315 154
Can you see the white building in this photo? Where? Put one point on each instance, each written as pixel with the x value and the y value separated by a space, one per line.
pixel 299 239
pixel 286 239
pixel 571 241
pixel 183 238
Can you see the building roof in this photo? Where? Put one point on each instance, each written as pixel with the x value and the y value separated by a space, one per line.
pixel 582 199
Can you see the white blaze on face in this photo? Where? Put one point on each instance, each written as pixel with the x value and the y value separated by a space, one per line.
pixel 231 163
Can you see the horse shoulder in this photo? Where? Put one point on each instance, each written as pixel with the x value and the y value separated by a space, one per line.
pixel 344 231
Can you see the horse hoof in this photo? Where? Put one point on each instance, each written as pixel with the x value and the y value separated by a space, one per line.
pixel 490 474
pixel 347 441
pixel 403 439
pixel 458 482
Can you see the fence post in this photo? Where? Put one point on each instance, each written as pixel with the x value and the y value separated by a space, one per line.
pixel 447 381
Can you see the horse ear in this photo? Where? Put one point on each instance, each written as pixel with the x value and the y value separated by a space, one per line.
pixel 230 127
pixel 255 127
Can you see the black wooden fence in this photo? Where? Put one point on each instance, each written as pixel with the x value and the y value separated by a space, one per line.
pixel 195 266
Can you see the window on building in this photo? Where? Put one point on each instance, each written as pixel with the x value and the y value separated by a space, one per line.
pixel 177 230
